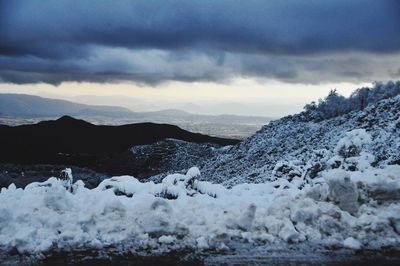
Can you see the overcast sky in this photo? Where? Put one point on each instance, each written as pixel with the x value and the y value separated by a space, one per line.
pixel 272 56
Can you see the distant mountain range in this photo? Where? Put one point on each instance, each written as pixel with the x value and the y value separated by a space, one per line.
pixel 16 109
pixel 29 106
pixel 76 142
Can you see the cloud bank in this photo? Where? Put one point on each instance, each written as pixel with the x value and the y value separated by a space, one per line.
pixel 156 41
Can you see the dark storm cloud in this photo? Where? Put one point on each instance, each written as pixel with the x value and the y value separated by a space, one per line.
pixel 153 41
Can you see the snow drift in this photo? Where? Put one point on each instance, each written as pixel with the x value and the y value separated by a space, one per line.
pixel 348 209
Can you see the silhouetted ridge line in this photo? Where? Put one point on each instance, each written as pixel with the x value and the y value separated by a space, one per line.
pixel 70 140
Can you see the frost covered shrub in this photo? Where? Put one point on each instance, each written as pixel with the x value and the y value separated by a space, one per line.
pixel 351 151
pixel 287 168
pixel 67 179
pixel 335 104
pixel 353 142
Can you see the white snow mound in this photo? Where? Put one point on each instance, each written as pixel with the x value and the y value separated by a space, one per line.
pixel 347 209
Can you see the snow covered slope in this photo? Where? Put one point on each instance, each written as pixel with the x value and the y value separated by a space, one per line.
pixel 293 147
pixel 169 156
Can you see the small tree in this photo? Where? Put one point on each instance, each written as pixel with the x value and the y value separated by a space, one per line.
pixel 67 179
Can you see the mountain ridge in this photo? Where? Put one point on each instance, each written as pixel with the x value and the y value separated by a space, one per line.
pixel 9 102
pixel 17 109
pixel 25 105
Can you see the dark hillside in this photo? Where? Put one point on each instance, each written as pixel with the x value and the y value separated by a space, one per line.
pixel 101 148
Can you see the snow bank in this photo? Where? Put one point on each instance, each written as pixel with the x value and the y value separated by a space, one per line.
pixel 341 209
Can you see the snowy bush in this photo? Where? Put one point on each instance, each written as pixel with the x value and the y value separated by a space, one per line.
pixel 67 179
pixel 352 144
pixel 352 152
pixel 334 104
pixel 288 169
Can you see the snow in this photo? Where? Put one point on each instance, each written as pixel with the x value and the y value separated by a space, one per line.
pixel 351 243
pixel 166 239
pixel 184 212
